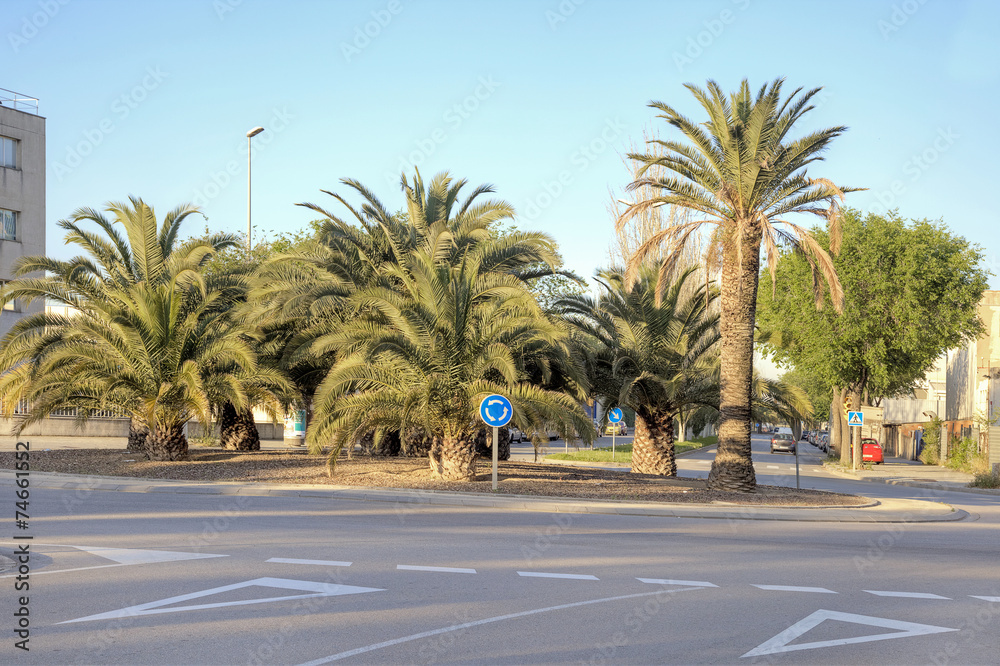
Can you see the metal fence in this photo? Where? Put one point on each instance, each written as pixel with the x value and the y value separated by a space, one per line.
pixel 23 409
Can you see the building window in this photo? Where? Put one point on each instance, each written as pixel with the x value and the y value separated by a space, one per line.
pixel 10 306
pixel 8 225
pixel 8 152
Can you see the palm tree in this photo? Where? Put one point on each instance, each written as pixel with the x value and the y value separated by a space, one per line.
pixel 432 340
pixel 654 355
pixel 742 175
pixel 303 296
pixel 148 338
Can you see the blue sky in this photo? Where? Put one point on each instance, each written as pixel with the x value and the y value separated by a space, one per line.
pixel 542 99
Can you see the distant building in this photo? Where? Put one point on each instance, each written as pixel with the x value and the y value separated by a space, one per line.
pixel 974 382
pixel 22 191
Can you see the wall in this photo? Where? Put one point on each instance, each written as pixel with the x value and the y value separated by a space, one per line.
pixel 23 190
pixel 67 427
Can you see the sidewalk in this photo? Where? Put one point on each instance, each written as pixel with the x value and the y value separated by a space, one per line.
pixel 914 474
pixel 883 511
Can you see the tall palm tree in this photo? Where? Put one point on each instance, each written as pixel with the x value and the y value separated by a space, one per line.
pixel 430 342
pixel 148 337
pixel 654 355
pixel 743 175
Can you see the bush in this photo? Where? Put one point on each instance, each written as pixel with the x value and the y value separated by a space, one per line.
pixel 930 454
pixel 964 456
pixel 986 480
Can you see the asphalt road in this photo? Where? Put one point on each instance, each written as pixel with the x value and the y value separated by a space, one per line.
pixel 135 578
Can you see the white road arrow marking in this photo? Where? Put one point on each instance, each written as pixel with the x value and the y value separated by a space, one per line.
pixel 156 607
pixel 780 643
pixel 137 556
pixel 995 600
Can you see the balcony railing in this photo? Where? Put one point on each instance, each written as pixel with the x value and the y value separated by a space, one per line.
pixel 17 101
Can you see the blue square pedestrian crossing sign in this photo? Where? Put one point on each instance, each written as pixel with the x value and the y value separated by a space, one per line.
pixel 855 418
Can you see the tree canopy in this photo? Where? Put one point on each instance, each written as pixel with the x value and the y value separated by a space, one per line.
pixel 912 290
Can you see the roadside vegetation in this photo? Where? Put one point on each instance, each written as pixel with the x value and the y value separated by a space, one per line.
pixel 387 323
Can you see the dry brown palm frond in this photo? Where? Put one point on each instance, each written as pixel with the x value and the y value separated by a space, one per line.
pixel 671 237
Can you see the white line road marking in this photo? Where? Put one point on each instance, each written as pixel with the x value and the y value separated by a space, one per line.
pixel 476 623
pixel 670 581
pixel 323 563
pixel 537 574
pixel 411 567
pixel 780 643
pixel 995 600
pixel 906 595
pixel 156 607
pixel 772 467
pixel 792 588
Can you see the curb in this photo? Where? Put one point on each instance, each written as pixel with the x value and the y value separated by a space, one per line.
pixel 928 485
pixel 887 511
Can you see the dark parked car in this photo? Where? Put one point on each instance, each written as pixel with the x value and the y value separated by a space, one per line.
pixel 781 441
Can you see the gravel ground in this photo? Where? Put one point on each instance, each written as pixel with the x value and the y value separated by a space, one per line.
pixel 515 478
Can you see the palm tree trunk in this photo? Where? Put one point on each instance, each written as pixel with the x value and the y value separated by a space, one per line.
pixel 416 442
pixel 484 443
pixel 237 429
pixel 167 443
pixel 653 444
pixel 137 435
pixel 732 468
pixel 453 458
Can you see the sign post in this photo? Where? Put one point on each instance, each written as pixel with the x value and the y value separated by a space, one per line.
pixel 855 420
pixel 496 411
pixel 614 416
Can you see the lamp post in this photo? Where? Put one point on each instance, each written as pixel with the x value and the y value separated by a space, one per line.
pixel 250 135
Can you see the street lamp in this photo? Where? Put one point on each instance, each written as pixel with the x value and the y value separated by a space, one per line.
pixel 250 135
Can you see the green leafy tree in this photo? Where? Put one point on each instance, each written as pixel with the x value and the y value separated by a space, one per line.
pixel 742 175
pixel 912 292
pixel 654 355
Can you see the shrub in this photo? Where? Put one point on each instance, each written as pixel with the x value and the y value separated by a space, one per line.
pixel 964 456
pixel 930 454
pixel 986 480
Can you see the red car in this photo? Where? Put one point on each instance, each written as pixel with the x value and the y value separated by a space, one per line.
pixel 871 451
